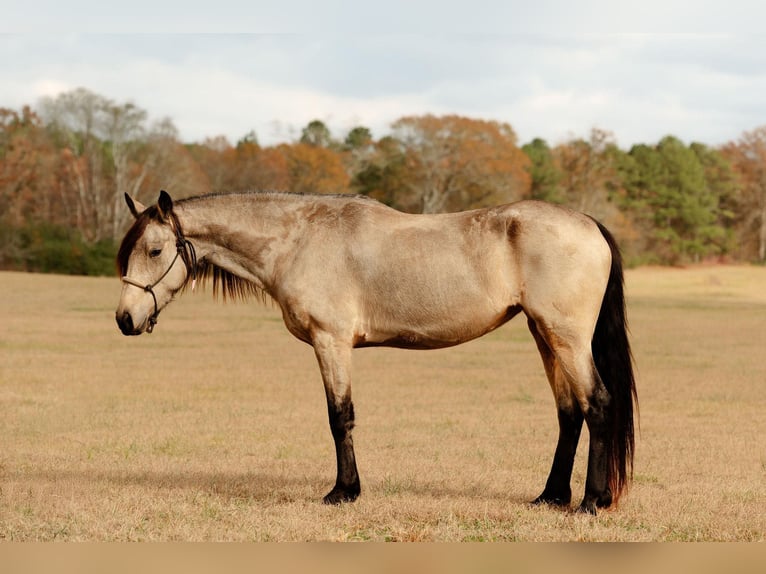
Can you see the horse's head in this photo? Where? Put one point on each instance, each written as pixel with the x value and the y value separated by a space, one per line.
pixel 148 263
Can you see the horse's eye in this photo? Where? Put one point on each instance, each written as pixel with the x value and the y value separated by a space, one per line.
pixel 155 253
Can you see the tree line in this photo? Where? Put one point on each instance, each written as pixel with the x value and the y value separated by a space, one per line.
pixel 65 165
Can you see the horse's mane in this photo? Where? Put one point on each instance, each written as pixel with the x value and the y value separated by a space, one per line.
pixel 226 284
pixel 276 194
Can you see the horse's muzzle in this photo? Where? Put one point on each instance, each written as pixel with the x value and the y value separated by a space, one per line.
pixel 125 323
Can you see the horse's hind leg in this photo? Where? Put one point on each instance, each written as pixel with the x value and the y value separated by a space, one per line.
pixel 557 488
pixel 334 359
pixel 580 394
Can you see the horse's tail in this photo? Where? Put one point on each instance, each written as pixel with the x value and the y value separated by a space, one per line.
pixel 614 362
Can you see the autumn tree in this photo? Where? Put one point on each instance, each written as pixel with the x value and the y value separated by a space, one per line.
pixel 106 152
pixel 29 188
pixel 453 163
pixel 28 184
pixel 748 159
pixel 254 168
pixel 215 157
pixel 314 169
pixel 242 164
pixel 172 166
pixel 589 173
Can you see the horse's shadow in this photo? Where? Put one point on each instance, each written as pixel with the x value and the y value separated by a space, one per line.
pixel 265 487
pixel 244 485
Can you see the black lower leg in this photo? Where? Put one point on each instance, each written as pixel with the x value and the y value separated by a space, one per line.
pixel 557 488
pixel 597 492
pixel 346 487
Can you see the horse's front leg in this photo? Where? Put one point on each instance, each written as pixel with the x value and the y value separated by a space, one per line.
pixel 334 357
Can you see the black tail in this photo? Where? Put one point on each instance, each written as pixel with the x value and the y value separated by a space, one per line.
pixel 614 362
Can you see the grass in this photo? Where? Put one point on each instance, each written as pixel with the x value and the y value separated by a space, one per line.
pixel 214 427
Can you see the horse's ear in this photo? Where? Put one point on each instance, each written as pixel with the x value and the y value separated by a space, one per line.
pixel 165 204
pixel 135 206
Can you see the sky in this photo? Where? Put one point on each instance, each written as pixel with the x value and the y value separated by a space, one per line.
pixel 696 70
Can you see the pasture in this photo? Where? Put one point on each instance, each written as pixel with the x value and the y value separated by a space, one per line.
pixel 215 427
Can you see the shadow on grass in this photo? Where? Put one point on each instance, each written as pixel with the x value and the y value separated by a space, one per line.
pixel 261 486
pixel 250 485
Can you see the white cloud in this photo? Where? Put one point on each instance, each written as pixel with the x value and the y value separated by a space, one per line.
pixel 209 101
pixel 49 88
pixel 641 87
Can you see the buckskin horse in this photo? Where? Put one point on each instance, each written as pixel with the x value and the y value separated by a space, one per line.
pixel 348 272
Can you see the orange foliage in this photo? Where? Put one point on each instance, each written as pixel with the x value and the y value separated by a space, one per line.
pixel 748 159
pixel 314 169
pixel 455 162
pixel 66 175
pixel 29 187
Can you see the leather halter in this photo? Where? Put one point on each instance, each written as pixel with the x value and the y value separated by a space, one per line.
pixel 186 251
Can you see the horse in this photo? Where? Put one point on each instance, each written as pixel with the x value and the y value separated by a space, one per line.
pixel 348 272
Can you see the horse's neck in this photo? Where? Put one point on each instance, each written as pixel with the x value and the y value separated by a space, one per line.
pixel 245 238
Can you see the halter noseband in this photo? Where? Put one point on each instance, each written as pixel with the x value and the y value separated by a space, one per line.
pixel 185 250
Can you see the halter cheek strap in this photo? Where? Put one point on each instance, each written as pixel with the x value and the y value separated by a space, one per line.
pixel 185 250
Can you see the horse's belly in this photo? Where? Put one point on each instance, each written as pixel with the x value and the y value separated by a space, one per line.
pixel 432 332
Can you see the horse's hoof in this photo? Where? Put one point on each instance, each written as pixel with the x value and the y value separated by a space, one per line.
pixel 589 508
pixel 591 502
pixel 340 495
pixel 553 499
pixel 605 500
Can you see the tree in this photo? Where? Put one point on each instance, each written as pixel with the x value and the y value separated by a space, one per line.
pixel 721 182
pixel 588 172
pixel 215 157
pixel 106 152
pixel 173 167
pixel 453 162
pixel 29 187
pixel 254 168
pixel 249 139
pixel 381 174
pixel 747 157
pixel 246 167
pixel 314 169
pixel 357 151
pixel 316 134
pixel 27 169
pixel 358 138
pixel 667 190
pixel 544 175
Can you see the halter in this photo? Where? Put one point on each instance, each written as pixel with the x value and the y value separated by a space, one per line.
pixel 186 251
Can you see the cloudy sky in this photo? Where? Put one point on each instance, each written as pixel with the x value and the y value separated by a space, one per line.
pixel 641 71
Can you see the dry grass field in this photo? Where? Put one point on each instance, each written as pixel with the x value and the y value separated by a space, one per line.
pixel 214 427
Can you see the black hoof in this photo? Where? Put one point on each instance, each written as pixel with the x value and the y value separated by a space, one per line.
pixel 587 507
pixel 339 495
pixel 553 499
pixel 605 500
pixel 590 504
